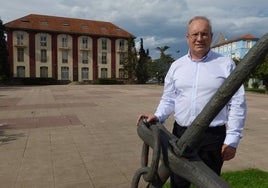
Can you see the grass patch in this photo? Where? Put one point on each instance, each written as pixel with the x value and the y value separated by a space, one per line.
pixel 255 90
pixel 251 178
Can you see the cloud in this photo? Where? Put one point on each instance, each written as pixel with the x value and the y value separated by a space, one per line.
pixel 158 22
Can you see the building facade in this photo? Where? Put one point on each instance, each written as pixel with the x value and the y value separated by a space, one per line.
pixel 70 49
pixel 235 48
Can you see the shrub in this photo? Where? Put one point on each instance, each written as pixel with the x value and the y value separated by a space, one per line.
pixel 255 85
pixel 108 81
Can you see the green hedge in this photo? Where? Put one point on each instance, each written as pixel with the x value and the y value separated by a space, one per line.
pixel 36 81
pixel 108 81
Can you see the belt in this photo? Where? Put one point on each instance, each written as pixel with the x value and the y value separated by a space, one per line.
pixel 218 128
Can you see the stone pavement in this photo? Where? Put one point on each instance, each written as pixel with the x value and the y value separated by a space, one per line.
pixel 84 136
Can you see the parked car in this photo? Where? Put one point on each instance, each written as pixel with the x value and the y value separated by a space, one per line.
pixel 152 81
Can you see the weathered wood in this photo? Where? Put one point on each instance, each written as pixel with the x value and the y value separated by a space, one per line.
pixel 192 168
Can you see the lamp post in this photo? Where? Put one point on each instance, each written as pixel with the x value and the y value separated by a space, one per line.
pixel 157 77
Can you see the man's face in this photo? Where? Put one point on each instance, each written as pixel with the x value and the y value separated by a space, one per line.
pixel 199 38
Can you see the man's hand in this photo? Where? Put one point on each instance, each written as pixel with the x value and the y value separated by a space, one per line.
pixel 149 118
pixel 228 152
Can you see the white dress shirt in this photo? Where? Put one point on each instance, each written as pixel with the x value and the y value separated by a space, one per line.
pixel 189 85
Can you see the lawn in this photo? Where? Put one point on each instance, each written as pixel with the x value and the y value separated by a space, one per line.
pixel 251 178
pixel 254 90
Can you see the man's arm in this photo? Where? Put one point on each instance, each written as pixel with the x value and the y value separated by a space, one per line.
pixel 235 124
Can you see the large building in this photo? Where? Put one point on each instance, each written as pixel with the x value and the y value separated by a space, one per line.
pixel 235 48
pixel 41 46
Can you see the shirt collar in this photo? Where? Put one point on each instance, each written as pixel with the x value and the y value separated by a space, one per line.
pixel 200 60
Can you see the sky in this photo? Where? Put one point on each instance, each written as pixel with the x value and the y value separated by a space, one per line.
pixel 158 22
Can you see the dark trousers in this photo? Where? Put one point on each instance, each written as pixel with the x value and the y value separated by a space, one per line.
pixel 209 151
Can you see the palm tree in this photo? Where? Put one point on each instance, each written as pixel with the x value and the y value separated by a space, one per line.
pixel 162 64
pixel 162 50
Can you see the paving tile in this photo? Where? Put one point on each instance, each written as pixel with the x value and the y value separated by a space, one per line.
pixel 69 171
pixel 86 184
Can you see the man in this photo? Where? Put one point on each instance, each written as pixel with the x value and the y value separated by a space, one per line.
pixel 189 84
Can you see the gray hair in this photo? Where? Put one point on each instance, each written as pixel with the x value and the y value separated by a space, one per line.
pixel 200 18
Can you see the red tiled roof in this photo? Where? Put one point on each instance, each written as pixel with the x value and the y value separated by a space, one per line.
pixel 244 37
pixel 67 25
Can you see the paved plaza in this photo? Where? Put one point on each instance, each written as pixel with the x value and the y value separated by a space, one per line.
pixel 84 136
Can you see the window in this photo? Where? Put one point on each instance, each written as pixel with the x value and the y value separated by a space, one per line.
pixel 84 42
pixel 19 38
pixel 85 73
pixel 65 73
pixel 20 54
pixel 121 73
pixel 20 71
pixel 233 45
pixel 65 24
pixel 64 41
pixel 229 47
pixel 104 72
pixel 43 40
pixel 221 49
pixel 43 55
pixel 238 55
pixel 104 44
pixel 85 57
pixel 121 58
pixel 248 44
pixel 225 48
pixel 84 26
pixel 103 28
pixel 104 58
pixel 44 22
pixel 121 44
pixel 64 56
pixel 43 72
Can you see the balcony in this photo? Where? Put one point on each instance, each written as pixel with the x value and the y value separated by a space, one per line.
pixel 82 48
pixel 20 45
pixel 64 48
pixel 121 49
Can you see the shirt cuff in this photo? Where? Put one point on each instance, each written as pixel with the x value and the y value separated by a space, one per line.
pixel 232 140
pixel 159 118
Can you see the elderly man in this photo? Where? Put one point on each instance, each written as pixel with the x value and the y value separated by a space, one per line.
pixel 189 84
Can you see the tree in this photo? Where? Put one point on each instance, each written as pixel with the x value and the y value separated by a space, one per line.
pixel 162 50
pixel 130 61
pixel 162 64
pixel 4 68
pixel 142 65
pixel 261 73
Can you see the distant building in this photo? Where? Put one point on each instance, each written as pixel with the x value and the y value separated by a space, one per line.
pixel 66 48
pixel 235 48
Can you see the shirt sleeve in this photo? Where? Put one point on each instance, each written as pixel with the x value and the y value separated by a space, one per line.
pixel 237 110
pixel 167 103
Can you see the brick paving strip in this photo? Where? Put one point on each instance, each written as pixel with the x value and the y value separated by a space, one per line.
pixel 10 104
pixel 38 122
